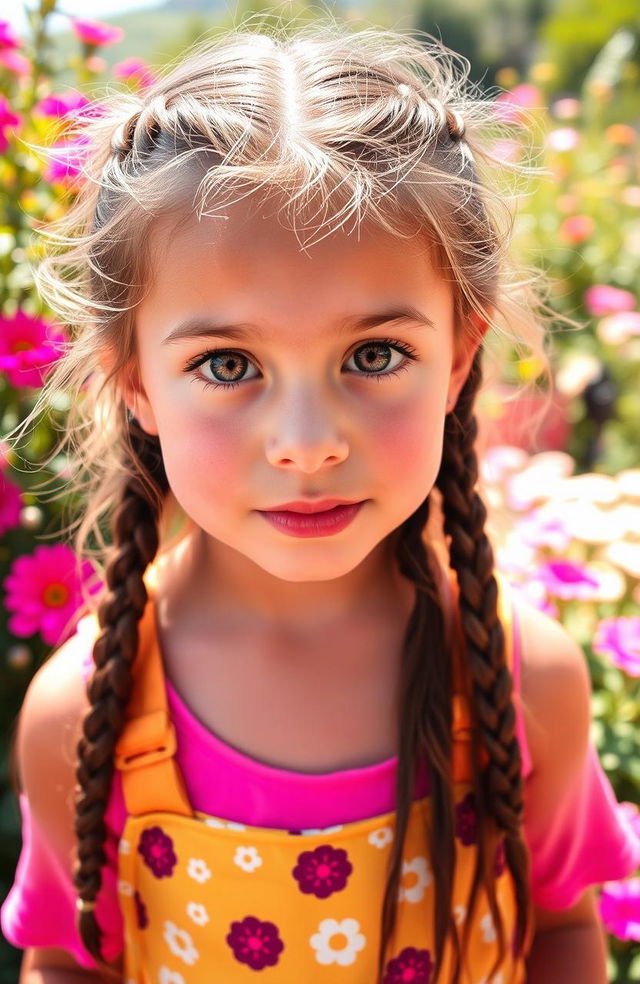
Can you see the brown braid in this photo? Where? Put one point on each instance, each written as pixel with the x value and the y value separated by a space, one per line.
pixel 135 538
pixel 426 697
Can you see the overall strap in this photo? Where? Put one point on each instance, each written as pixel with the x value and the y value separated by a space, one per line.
pixel 462 731
pixel 145 751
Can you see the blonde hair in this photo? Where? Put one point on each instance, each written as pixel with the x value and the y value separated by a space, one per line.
pixel 335 127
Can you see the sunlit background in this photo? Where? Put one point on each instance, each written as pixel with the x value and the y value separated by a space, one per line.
pixel 564 498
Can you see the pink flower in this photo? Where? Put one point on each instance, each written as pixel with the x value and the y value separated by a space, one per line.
pixel 15 62
pixel 96 33
pixel 523 96
pixel 567 108
pixel 10 504
pixel 67 160
pixel 135 70
pixel 620 908
pixel 61 104
pixel 43 590
pixel 618 328
pixel 507 150
pixel 602 299
pixel 28 346
pixel 619 639
pixel 7 37
pixel 564 138
pixel 576 228
pixel 566 579
pixel 630 814
pixel 8 120
pixel 545 527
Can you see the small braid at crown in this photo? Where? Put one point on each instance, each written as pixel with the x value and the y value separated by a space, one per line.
pixel 135 537
pixel 471 556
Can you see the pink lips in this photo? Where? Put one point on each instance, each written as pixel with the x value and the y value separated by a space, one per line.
pixel 313 521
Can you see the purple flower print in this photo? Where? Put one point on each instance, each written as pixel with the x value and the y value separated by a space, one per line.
pixel 255 943
pixel 410 965
pixel 500 859
pixel 141 911
pixel 156 848
pixel 323 871
pixel 466 820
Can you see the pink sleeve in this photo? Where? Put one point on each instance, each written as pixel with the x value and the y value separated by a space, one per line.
pixel 590 839
pixel 40 911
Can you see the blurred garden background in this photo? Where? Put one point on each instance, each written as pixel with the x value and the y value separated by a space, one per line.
pixel 564 498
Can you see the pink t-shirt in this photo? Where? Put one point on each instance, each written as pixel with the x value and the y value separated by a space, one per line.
pixel 589 842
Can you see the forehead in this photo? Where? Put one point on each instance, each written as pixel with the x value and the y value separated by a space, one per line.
pixel 247 257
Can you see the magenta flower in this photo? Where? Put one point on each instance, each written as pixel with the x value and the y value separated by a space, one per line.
pixel 61 104
pixel 619 639
pixel 567 579
pixel 255 943
pixel 67 160
pixel 467 820
pixel 43 590
pixel 157 851
pixel 323 871
pixel 8 120
pixel 10 504
pixel 601 299
pixel 96 33
pixel 620 908
pixel 135 70
pixel 8 39
pixel 28 347
pixel 410 965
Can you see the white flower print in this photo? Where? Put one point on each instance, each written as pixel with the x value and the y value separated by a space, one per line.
pixel 125 888
pixel 124 847
pixel 232 825
pixel 488 929
pixel 224 824
pixel 381 837
pixel 418 866
pixel 247 858
pixel 321 830
pixel 329 943
pixel 180 943
pixel 198 870
pixel 198 913
pixel 459 912
pixel 166 976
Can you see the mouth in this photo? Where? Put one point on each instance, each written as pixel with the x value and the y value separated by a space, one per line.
pixel 323 522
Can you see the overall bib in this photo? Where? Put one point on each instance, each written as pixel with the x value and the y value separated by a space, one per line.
pixel 209 901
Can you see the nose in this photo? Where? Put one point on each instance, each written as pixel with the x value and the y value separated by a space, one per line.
pixel 305 436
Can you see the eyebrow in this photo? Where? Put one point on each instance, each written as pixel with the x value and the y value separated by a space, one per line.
pixel 210 328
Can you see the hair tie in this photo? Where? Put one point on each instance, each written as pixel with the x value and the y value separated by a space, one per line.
pixel 84 905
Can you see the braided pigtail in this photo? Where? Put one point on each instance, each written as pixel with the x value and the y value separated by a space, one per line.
pixel 425 702
pixel 499 787
pixel 135 538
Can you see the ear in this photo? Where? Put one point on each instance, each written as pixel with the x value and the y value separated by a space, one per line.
pixel 465 348
pixel 133 394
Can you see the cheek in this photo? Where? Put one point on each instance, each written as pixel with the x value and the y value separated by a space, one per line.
pixel 407 439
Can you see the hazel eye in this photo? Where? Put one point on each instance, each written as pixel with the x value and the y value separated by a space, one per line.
pixel 374 357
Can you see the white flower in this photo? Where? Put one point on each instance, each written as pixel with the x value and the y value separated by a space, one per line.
pixel 247 858
pixel 124 847
pixel 381 837
pixel 419 867
pixel 321 830
pixel 198 870
pixel 198 913
pixel 180 943
pixel 166 976
pixel 488 929
pixel 459 912
pixel 125 888
pixel 329 942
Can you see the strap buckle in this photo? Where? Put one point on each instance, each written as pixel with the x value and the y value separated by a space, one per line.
pixel 144 740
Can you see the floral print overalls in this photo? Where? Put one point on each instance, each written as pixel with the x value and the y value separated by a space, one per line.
pixel 209 901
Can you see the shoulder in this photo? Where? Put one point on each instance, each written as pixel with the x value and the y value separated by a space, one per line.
pixel 555 692
pixel 49 727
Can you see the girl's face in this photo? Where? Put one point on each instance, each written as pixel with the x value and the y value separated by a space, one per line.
pixel 263 388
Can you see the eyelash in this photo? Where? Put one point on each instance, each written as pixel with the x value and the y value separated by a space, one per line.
pixel 407 350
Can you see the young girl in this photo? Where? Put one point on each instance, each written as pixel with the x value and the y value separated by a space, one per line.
pixel 302 731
